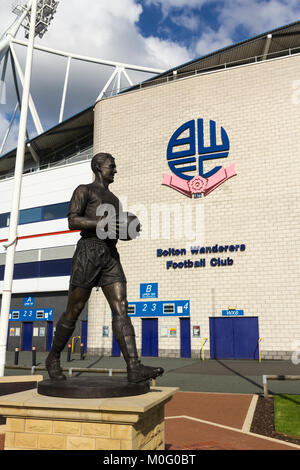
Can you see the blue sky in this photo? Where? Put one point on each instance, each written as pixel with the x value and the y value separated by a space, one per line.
pixel 153 33
pixel 182 25
pixel 203 26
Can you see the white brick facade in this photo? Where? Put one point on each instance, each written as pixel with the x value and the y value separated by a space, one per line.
pixel 257 107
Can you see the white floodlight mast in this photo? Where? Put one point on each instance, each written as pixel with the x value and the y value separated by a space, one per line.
pixel 38 25
pixel 12 236
pixel 45 11
pixel 5 47
pixel 11 33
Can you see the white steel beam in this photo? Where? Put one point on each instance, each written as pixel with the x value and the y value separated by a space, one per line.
pixel 119 79
pixel 34 155
pixel 34 114
pixel 63 100
pixel 127 77
pixel 91 59
pixel 9 128
pixel 267 46
pixel 13 225
pixel 107 84
pixel 2 81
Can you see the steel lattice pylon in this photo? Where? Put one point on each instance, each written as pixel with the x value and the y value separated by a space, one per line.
pixel 35 17
pixel 7 50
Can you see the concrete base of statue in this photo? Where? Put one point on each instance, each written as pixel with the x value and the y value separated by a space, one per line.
pixel 35 421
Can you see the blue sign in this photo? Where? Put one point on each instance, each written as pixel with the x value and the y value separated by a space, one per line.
pixel 34 314
pixel 28 301
pixel 232 313
pixel 149 291
pixel 159 308
pixel 178 160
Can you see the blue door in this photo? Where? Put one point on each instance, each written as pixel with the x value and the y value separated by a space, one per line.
pixel 221 338
pixel 84 327
pixel 234 338
pixel 185 337
pixel 245 338
pixel 49 335
pixel 115 348
pixel 149 337
pixel 27 336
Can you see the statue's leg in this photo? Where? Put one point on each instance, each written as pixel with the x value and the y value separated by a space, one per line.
pixel 124 334
pixel 78 296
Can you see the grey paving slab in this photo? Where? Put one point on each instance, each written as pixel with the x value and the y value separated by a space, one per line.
pixel 223 376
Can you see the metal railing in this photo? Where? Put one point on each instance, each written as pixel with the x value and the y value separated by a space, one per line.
pixel 70 370
pixel 259 348
pixel 265 379
pixel 203 341
pixel 75 158
pixel 177 75
pixel 73 370
pixel 75 338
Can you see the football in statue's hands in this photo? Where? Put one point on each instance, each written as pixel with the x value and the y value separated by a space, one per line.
pixel 129 226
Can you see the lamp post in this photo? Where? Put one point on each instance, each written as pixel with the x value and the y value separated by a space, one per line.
pixel 36 23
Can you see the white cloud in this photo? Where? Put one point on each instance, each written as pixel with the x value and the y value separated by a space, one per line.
pixel 186 20
pixel 168 53
pixel 108 29
pixel 104 29
pixel 168 5
pixel 254 16
pixel 93 28
pixel 211 41
pixel 258 16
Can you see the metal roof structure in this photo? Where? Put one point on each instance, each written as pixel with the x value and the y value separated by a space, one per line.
pixel 66 138
pixel 76 133
pixel 278 42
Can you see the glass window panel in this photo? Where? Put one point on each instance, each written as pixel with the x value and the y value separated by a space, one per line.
pixel 28 216
pixel 3 220
pixel 55 211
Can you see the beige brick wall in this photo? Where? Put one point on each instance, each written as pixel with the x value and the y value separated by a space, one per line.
pixel 50 434
pixel 258 207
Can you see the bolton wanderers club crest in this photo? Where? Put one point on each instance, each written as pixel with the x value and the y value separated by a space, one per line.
pixel 182 160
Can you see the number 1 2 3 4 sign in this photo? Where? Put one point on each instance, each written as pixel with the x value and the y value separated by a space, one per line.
pixel 158 308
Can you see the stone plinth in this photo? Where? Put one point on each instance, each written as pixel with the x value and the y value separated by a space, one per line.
pixel 13 384
pixel 35 421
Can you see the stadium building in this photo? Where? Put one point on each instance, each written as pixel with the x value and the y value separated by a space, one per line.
pixel 206 156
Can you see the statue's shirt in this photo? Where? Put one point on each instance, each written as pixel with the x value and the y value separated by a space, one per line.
pixel 85 201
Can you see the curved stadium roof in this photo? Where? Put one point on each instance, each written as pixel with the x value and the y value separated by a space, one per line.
pixel 76 133
pixel 269 45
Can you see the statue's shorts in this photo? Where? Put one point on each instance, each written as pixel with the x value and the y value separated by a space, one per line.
pixel 95 264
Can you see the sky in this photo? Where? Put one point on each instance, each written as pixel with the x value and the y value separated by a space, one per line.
pixel 150 33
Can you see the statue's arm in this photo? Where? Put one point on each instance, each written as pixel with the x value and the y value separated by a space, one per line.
pixel 77 206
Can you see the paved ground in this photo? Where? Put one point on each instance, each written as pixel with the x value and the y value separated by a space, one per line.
pixel 213 409
pixel 192 375
pixel 215 421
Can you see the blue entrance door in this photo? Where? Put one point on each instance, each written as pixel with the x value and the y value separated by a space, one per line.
pixel 234 338
pixel 149 337
pixel 27 336
pixel 185 337
pixel 49 335
pixel 115 348
pixel 246 338
pixel 84 327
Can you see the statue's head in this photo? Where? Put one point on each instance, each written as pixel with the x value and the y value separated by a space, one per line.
pixel 104 164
